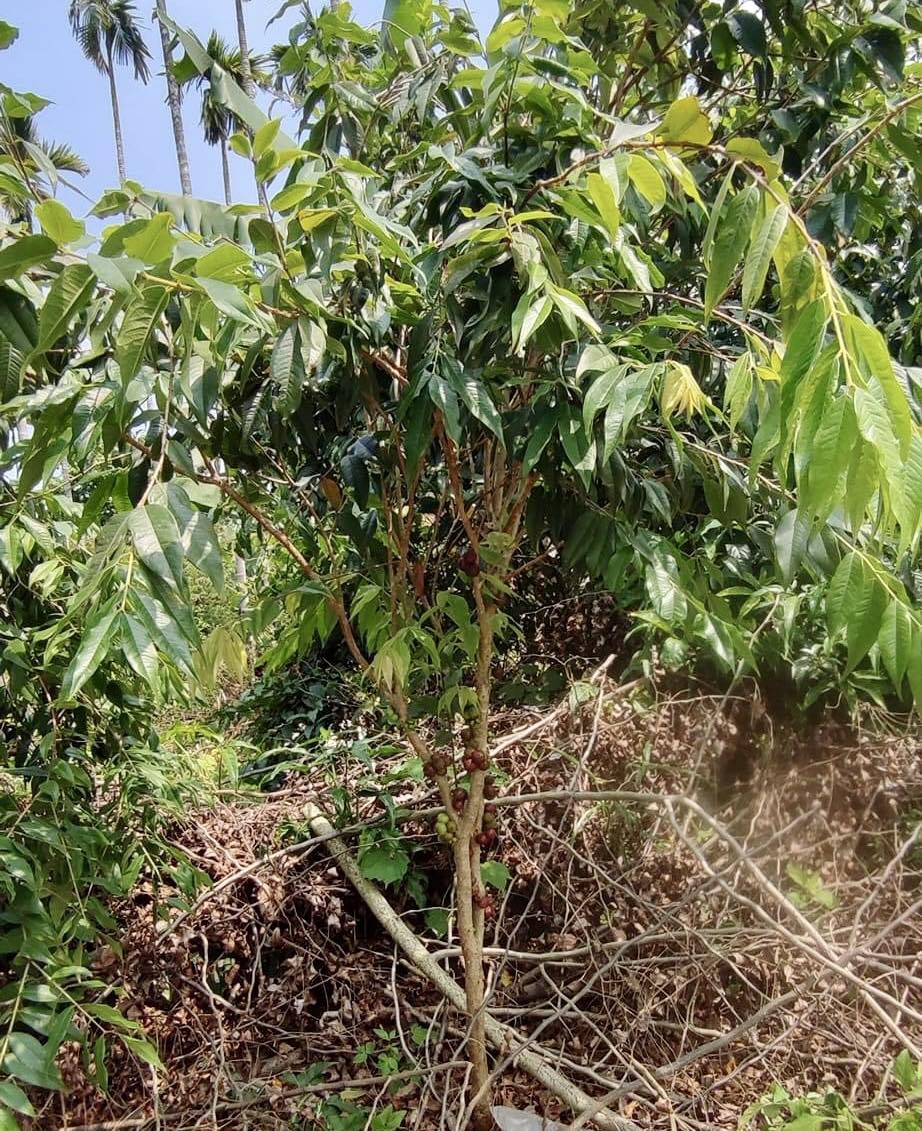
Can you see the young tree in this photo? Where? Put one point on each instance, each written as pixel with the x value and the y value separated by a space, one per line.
pixel 512 299
pixel 108 33
pixel 174 99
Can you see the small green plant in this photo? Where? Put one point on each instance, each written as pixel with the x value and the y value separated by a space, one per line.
pixel 831 1111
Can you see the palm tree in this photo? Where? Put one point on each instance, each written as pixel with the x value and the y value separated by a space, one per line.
pixel 248 85
pixel 218 122
pixel 33 161
pixel 173 96
pixel 108 33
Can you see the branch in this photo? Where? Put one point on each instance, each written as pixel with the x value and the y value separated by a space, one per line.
pixel 500 1036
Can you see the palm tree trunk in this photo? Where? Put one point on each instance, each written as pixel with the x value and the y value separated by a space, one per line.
pixel 248 85
pixel 116 118
pixel 172 95
pixel 225 169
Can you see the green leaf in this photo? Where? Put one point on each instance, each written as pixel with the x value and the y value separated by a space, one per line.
pixel 856 600
pixel 598 395
pixel 664 589
pixel 14 1097
pixel 895 641
pixel 686 121
pixel 57 222
pixel 168 635
pixel 646 179
pixel 904 1071
pixel 154 241
pixel 231 300
pixel 831 453
pixel 572 309
pixel 760 254
pixel 873 357
pixel 732 236
pixel 8 35
pixel 23 253
pixel 143 1050
pixel 791 538
pixel 384 861
pixel 495 874
pixel 476 399
pixel 603 197
pixel 538 438
pixel 876 427
pixel 286 369
pixel 69 294
pixel 748 31
pixel 802 349
pixel 200 544
pixel 752 151
pixel 141 316
pixel 7 1122
pixel 157 542
pixel 534 313
pixel 844 588
pixel 28 1060
pixel 139 650
pixel 93 649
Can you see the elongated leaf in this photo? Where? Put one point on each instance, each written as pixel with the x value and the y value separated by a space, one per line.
pixel 646 179
pixel 93 649
pixel 69 294
pixel 138 322
pixel 24 253
pixel 476 399
pixel 167 634
pixel 732 236
pixel 201 548
pixel 895 641
pixel 791 538
pixel 286 369
pixel 157 542
pixel 831 452
pixel 874 359
pixel 857 600
pixel 846 584
pixel 760 254
pixel 599 394
pixel 139 649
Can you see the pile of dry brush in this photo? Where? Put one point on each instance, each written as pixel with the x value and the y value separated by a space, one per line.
pixel 702 903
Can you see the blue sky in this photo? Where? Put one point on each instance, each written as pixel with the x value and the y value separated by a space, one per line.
pixel 45 59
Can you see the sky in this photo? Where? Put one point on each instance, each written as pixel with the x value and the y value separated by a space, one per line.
pixel 46 60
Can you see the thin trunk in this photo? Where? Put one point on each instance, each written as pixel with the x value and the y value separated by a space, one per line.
pixel 250 87
pixel 225 169
pixel 172 96
pixel 116 118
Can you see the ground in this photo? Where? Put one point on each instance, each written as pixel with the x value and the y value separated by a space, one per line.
pixel 704 902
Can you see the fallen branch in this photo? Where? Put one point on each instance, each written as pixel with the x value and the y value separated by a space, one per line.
pixel 500 1036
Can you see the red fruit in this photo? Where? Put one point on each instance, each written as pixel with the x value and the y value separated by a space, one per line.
pixel 489 789
pixel 429 771
pixel 483 838
pixel 469 763
pixel 459 800
pixel 469 563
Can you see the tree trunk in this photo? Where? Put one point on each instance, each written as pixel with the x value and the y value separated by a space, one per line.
pixel 248 85
pixel 116 119
pixel 173 99
pixel 225 169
